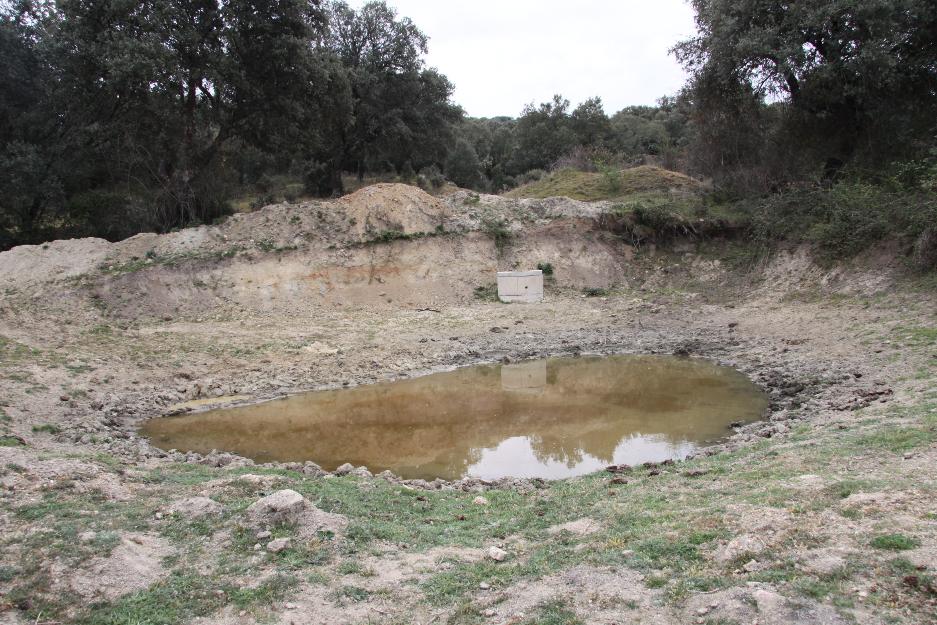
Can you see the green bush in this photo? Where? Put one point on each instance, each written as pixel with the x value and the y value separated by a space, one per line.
pixel 847 218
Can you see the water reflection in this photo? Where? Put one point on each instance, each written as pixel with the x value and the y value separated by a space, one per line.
pixel 549 418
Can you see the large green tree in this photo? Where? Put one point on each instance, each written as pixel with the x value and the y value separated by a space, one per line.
pixel 859 76
pixel 400 112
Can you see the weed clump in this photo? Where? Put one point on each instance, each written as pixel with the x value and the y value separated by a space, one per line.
pixel 487 293
pixel 594 292
pixel 499 232
pixel 894 542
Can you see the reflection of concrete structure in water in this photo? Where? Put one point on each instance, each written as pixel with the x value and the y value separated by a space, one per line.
pixel 525 377
pixel 555 418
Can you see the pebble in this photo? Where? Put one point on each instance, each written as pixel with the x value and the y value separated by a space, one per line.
pixel 277 545
pixel 484 586
pixel 497 554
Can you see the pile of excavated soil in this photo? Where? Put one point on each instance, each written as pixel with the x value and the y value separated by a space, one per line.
pixel 393 208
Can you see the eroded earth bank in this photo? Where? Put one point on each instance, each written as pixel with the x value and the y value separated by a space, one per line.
pixel 825 512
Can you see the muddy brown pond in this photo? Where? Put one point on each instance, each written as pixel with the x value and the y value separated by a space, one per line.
pixel 551 418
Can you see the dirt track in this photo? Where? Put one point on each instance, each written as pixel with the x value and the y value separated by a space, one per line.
pixel 97 336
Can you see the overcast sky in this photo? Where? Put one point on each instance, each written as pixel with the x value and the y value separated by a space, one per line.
pixel 502 54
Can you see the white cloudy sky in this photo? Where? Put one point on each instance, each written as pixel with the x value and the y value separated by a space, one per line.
pixel 502 54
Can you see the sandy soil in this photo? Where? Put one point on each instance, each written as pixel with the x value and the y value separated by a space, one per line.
pixel 95 337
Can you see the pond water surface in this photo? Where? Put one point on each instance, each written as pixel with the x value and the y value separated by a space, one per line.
pixel 550 418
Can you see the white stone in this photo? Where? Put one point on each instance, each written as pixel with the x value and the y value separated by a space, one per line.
pixel 480 501
pixel 283 506
pixel 497 554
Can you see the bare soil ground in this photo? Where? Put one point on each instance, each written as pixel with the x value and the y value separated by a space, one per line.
pixel 823 513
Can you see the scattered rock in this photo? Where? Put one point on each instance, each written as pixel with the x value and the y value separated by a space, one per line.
pixel 361 472
pixel 745 544
pixel 579 527
pixel 279 544
pixel 344 469
pixel 820 563
pixel 195 508
pixel 497 554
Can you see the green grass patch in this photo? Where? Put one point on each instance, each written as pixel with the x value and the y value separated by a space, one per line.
pixel 897 439
pixel 10 440
pixel 553 612
pixel 894 542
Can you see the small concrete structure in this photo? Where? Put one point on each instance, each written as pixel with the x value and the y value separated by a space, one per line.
pixel 520 286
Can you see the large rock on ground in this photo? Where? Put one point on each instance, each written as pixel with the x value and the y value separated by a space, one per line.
pixel 742 545
pixel 287 507
pixel 284 507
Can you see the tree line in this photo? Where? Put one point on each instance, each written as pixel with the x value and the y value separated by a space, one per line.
pixel 119 116
pixel 123 115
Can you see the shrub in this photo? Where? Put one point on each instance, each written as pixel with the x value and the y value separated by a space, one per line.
pixel 611 178
pixel 487 293
pixel 847 218
pixel 529 176
pixel 498 230
pixel 546 268
pixel 430 178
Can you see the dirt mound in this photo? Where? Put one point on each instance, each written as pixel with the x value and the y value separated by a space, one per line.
pixel 133 565
pixel 59 259
pixel 391 207
pixel 592 186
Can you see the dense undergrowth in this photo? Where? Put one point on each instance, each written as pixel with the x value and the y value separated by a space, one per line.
pixel 839 220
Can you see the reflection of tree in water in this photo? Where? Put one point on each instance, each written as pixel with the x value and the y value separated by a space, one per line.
pixel 442 424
